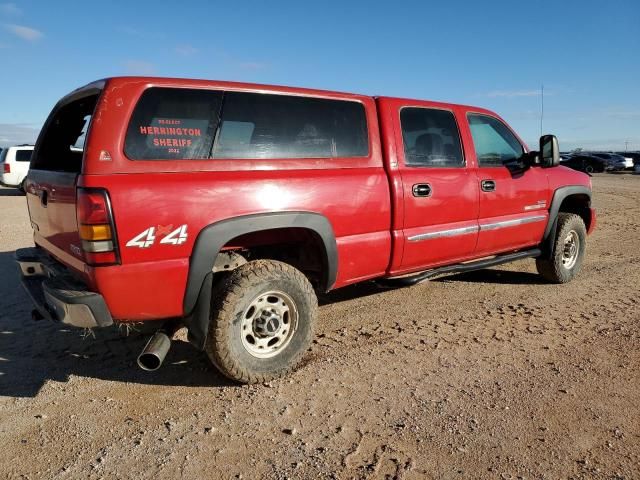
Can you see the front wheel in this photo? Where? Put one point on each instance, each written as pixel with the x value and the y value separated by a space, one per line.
pixel 567 252
pixel 262 321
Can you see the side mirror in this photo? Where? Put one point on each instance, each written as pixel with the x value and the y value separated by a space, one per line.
pixel 549 151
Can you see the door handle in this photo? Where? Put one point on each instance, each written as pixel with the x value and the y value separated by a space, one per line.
pixel 488 185
pixel 421 190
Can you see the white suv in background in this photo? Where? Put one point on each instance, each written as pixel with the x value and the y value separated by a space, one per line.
pixel 14 165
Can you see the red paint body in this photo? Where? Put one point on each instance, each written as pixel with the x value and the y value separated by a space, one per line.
pixel 368 201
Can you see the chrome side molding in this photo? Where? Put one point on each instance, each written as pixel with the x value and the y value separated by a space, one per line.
pixel 453 232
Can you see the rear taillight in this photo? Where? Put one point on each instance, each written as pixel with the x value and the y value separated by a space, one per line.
pixel 7 168
pixel 96 228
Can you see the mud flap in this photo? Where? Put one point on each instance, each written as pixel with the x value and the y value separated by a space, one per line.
pixel 198 322
pixel 547 244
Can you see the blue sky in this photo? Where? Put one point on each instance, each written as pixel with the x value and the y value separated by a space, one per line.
pixel 494 54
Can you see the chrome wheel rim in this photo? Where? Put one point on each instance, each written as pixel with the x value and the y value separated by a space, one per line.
pixel 570 250
pixel 268 324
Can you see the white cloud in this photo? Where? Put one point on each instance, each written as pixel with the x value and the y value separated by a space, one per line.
pixel 234 62
pixel 139 67
pixel 185 50
pixel 17 133
pixel 10 9
pixel 514 93
pixel 25 33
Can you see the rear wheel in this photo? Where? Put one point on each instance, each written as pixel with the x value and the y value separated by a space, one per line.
pixel 567 252
pixel 589 168
pixel 262 321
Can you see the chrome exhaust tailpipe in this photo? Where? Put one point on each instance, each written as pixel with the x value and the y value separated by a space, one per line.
pixel 152 355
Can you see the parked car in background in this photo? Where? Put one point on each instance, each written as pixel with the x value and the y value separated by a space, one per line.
pixel 634 157
pixel 615 162
pixel 14 163
pixel 585 162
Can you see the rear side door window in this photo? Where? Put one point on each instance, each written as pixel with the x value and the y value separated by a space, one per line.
pixel 494 143
pixel 23 155
pixel 431 138
pixel 173 123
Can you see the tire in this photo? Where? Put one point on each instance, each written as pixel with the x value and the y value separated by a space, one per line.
pixel 589 168
pixel 262 321
pixel 568 250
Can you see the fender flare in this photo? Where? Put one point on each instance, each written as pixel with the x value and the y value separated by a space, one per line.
pixel 213 237
pixel 559 195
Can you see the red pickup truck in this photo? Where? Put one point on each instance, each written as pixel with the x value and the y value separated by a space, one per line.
pixel 224 207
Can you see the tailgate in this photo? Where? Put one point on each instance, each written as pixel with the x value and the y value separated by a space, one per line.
pixel 51 197
pixel 55 166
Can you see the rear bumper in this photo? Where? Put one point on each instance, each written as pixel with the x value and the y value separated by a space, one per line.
pixel 10 179
pixel 57 295
pixel 7 184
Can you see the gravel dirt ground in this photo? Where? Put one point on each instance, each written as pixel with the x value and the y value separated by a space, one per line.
pixel 491 374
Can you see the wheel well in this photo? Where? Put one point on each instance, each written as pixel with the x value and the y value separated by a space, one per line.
pixel 578 204
pixel 301 248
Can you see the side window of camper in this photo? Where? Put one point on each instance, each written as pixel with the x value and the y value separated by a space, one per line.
pixel 173 123
pixel 267 126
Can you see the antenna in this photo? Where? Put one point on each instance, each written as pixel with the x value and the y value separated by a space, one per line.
pixel 541 107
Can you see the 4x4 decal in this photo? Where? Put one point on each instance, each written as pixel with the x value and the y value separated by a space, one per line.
pixel 147 238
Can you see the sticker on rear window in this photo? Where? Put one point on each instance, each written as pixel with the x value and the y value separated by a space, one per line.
pixel 172 134
pixel 173 123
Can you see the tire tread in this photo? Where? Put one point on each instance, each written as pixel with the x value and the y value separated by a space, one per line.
pixel 551 268
pixel 227 294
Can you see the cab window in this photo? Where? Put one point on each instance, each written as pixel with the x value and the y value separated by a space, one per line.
pixel 495 144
